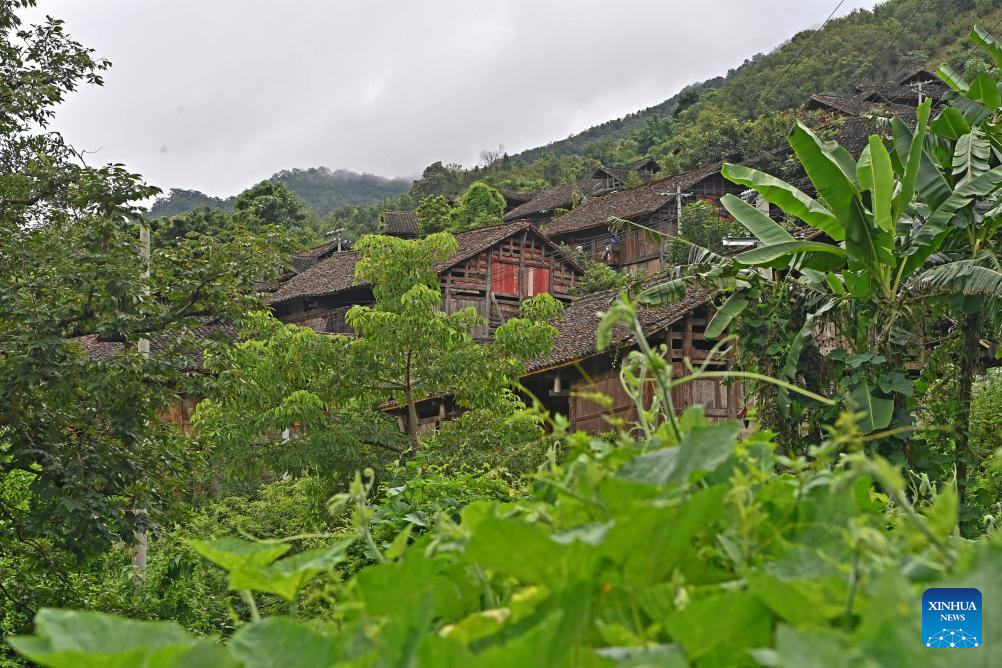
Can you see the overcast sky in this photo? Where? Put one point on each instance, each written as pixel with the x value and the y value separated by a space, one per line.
pixel 216 95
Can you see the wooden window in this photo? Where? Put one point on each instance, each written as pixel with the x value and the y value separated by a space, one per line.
pixel 504 278
pixel 537 281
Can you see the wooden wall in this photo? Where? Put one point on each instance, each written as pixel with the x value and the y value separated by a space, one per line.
pixel 496 281
pixel 600 374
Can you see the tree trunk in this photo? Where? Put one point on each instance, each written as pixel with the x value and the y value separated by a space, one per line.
pixel 968 367
pixel 412 418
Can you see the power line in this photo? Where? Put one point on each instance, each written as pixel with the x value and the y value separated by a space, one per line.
pixel 807 43
pixel 901 31
pixel 908 56
pixel 981 45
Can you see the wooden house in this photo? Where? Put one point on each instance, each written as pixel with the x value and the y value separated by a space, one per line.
pixel 575 368
pixel 858 115
pixel 911 90
pixel 493 269
pixel 654 205
pixel 188 344
pixel 565 380
pixel 617 177
pixel 547 202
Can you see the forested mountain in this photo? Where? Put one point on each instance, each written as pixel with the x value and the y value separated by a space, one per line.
pixel 860 49
pixel 322 189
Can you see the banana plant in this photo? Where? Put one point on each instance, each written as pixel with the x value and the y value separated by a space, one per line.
pixel 873 226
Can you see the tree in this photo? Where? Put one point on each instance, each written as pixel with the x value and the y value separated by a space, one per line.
pixel 480 206
pixel 405 348
pixel 80 440
pixel 272 203
pixel 409 348
pixel 888 213
pixel 490 159
pixel 433 214
pixel 704 226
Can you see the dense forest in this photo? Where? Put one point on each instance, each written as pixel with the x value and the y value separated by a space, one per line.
pixel 220 449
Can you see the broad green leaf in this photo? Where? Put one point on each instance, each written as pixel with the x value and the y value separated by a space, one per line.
pixel 766 254
pixel 971 155
pixel 444 652
pixel 530 649
pixel 962 277
pixel 721 629
pixel 877 411
pixel 287 576
pixel 72 639
pixel 865 243
pixel 233 553
pixel 984 89
pixel 656 540
pixel 985 575
pixel 929 237
pixel 835 283
pixel 986 41
pixel 415 582
pixel 280 642
pixel 798 601
pixel 930 182
pixel 950 124
pixel 814 648
pixel 913 164
pixel 701 449
pixel 542 560
pixel 952 78
pixel 875 174
pixel 729 310
pixel 789 199
pixel 762 226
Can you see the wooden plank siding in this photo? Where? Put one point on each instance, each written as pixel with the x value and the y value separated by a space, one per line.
pixel 636 250
pixel 495 281
pixel 599 374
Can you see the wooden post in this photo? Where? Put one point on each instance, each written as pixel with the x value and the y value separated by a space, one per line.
pixel 689 391
pixel 140 547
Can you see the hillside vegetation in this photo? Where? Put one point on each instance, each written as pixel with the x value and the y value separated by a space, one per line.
pixel 323 190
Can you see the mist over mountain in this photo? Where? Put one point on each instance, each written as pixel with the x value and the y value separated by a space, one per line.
pixel 323 190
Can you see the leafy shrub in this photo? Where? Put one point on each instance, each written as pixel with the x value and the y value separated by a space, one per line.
pixel 696 553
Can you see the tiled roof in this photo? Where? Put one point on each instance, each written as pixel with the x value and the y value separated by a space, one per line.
pixel 918 75
pixel 162 342
pixel 631 203
pixel 856 106
pixel 555 197
pixel 905 94
pixel 579 323
pixel 650 163
pixel 337 272
pixel 400 223
pixel 331 275
pixel 513 199
pixel 311 256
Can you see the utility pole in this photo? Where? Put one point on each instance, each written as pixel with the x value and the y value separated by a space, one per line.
pixel 678 209
pixel 140 548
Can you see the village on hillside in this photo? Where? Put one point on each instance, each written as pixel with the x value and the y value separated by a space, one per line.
pixel 535 251
pixel 714 383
